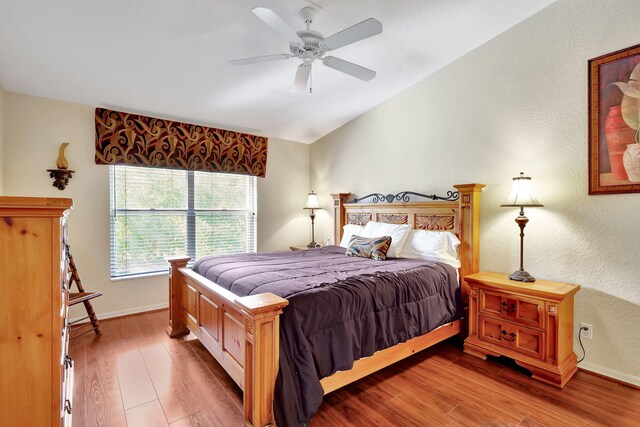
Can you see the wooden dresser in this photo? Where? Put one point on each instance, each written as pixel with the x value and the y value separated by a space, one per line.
pixel 532 323
pixel 36 374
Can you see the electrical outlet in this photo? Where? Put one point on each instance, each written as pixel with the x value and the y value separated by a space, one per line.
pixel 586 333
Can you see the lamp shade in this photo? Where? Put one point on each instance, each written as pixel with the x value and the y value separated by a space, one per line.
pixel 521 194
pixel 312 201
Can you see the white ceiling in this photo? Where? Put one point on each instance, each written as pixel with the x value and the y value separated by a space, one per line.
pixel 168 58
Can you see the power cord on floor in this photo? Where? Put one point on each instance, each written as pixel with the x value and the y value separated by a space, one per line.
pixel 584 353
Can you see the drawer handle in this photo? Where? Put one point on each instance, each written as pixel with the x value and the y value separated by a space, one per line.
pixel 67 407
pixel 507 309
pixel 506 336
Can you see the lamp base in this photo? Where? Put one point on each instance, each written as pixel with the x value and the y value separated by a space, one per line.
pixel 521 276
pixel 313 245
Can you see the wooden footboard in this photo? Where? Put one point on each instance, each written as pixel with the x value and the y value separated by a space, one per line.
pixel 242 333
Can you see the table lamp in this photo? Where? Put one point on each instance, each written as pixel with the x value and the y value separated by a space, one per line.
pixel 521 195
pixel 312 203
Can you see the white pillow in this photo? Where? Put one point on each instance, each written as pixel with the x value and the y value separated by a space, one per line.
pixel 433 246
pixel 348 231
pixel 398 233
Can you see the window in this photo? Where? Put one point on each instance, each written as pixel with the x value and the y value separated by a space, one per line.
pixel 158 213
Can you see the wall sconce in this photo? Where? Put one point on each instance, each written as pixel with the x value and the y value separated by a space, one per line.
pixel 62 175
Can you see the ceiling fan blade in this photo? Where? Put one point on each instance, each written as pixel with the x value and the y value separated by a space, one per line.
pixel 349 68
pixel 366 28
pixel 276 23
pixel 256 59
pixel 302 77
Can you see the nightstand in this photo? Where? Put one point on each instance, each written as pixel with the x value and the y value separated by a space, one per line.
pixel 531 323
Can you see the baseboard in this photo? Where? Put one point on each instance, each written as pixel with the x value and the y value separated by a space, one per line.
pixel 613 374
pixel 124 312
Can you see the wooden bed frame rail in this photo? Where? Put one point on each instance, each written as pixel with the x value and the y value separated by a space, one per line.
pixel 242 333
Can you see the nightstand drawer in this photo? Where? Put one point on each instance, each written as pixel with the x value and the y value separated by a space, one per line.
pixel 522 310
pixel 508 335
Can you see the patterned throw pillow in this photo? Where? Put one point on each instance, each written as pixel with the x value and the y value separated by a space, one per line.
pixel 369 247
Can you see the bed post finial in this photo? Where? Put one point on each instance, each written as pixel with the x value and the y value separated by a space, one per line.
pixel 469 203
pixel 339 215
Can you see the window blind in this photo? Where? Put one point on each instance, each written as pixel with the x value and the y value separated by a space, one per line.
pixel 159 213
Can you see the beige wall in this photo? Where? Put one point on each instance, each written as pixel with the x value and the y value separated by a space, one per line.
pixel 35 127
pixel 517 103
pixel 282 222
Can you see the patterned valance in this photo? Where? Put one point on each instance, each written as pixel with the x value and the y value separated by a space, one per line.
pixel 132 139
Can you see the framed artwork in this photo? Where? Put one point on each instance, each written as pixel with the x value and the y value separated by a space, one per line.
pixel 614 122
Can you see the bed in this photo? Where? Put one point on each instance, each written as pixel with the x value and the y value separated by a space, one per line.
pixel 241 329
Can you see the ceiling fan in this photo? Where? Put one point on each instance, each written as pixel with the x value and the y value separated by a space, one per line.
pixel 310 45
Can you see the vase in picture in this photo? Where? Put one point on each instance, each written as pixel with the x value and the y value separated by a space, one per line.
pixel 631 160
pixel 618 136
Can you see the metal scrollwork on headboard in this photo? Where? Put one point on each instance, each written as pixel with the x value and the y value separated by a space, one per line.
pixel 404 196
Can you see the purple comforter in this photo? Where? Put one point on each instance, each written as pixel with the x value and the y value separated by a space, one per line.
pixel 340 309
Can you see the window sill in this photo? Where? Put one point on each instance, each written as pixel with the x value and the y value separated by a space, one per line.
pixel 139 276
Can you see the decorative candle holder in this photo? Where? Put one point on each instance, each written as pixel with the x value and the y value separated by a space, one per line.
pixel 62 175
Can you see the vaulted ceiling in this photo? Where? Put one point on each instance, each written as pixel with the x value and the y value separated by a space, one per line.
pixel 169 58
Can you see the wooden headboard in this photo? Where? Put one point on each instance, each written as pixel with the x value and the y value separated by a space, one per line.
pixel 461 216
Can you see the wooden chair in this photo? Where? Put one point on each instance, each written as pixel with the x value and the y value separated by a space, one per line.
pixel 81 297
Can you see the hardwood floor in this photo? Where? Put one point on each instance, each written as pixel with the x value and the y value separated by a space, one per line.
pixel 134 375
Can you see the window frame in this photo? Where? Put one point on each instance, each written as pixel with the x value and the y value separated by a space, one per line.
pixel 190 213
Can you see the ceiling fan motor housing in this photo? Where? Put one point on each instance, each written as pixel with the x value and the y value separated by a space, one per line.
pixel 311 49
